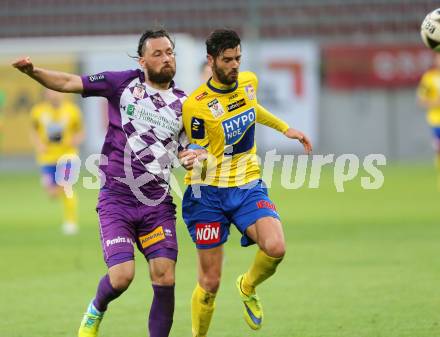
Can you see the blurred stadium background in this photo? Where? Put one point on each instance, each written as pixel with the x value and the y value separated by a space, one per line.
pixel 360 263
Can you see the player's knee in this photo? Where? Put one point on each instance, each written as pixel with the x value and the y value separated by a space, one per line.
pixel 163 278
pixel 121 281
pixel 167 280
pixel 275 248
pixel 210 283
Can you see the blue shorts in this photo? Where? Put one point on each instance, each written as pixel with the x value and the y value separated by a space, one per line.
pixel 48 173
pixel 436 132
pixel 208 211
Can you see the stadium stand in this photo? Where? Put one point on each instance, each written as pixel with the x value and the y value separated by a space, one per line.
pixel 325 20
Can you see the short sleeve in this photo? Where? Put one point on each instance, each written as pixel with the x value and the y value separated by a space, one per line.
pixel 104 84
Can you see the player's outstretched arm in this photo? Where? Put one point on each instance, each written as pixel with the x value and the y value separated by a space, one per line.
pixel 303 139
pixel 54 80
pixel 266 118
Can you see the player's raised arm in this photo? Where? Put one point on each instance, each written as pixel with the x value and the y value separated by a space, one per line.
pixel 55 80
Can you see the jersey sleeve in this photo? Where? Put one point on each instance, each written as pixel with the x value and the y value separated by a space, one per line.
pixel 194 125
pixel 266 118
pixel 254 80
pixel 102 84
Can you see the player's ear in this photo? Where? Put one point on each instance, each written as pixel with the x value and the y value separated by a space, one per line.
pixel 141 61
pixel 210 60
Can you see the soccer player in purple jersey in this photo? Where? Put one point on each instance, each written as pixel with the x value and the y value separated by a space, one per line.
pixel 135 208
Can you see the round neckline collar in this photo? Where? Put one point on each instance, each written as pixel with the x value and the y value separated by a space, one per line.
pixel 221 91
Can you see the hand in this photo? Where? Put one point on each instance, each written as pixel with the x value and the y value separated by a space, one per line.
pixel 189 157
pixel 25 65
pixel 303 139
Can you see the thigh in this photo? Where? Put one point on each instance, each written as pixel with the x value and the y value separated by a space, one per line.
pixel 254 204
pixel 156 229
pixel 205 220
pixel 117 230
pixel 266 232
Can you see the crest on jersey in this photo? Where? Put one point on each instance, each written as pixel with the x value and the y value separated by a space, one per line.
pixel 139 91
pixel 250 91
pixel 216 108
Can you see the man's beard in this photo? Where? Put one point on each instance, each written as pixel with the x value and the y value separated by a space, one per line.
pixel 165 75
pixel 222 77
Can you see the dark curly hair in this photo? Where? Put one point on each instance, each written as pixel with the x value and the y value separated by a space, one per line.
pixel 220 40
pixel 152 34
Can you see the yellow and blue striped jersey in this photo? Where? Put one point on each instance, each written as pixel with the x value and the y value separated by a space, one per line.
pixel 429 89
pixel 222 119
pixel 55 127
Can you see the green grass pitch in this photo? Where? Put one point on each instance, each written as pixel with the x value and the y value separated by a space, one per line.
pixel 359 264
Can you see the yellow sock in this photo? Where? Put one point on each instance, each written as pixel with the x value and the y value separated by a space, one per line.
pixel 69 206
pixel 202 308
pixel 262 268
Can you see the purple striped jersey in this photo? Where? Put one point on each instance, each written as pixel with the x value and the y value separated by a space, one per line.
pixel 145 132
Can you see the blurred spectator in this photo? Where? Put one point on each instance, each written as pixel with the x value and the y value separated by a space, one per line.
pixel 57 133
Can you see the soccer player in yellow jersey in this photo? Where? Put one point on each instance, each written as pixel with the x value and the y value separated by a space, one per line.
pixel 429 97
pixel 57 133
pixel 221 116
